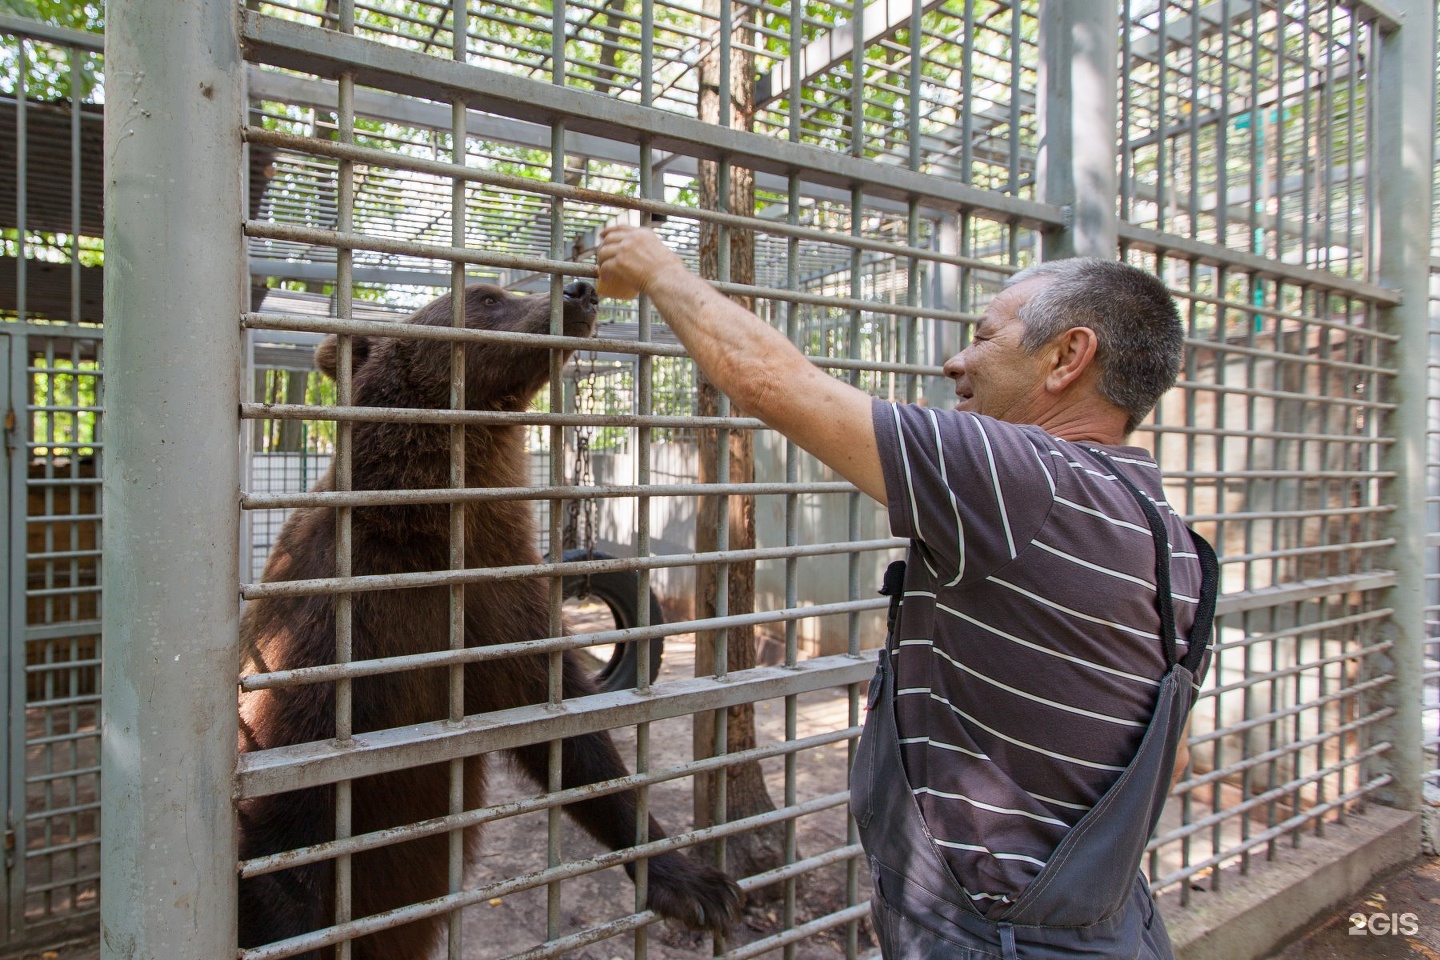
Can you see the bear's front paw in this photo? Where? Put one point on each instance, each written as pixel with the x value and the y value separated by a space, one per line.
pixel 696 895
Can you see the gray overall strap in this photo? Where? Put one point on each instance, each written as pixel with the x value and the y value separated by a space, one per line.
pixel 1089 901
pixel 1091 873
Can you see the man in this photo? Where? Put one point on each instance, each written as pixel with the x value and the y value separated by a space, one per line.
pixel 1030 702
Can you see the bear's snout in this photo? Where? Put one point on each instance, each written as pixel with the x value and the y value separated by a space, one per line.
pixel 582 292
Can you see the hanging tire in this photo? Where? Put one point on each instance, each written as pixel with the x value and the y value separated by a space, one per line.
pixel 619 590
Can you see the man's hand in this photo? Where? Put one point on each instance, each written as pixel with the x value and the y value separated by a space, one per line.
pixel 752 362
pixel 630 259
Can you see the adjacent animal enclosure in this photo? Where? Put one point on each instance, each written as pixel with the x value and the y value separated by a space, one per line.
pixel 865 177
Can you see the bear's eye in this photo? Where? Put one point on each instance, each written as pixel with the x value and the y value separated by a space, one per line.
pixel 490 301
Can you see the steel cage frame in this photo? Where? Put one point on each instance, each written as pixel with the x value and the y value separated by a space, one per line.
pixel 1318 634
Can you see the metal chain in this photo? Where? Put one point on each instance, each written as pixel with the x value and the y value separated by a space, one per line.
pixel 580 514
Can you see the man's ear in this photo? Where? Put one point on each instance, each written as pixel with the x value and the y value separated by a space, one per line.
pixel 327 355
pixel 1074 354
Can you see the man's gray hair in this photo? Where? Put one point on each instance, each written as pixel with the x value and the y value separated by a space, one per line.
pixel 1136 323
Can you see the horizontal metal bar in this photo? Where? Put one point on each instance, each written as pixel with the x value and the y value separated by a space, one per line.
pixel 385 498
pixel 500 888
pixel 462 172
pixel 1179 429
pixel 80 701
pixel 446 578
pixel 1300 629
pixel 1294 746
pixel 62 591
pixel 75 774
pixel 63 518
pixel 283 769
pixel 76 881
pixel 60 666
pixel 798 934
pixel 1278 475
pixel 316 51
pixel 412 331
pixel 66 630
pixel 57 738
pixel 1246 516
pixel 481 418
pixel 1264 310
pixel 1301 590
pixel 1201 386
pixel 53 812
pixel 334 239
pixel 1309 551
pixel 1146 238
pixel 61 36
pixel 1274 793
pixel 1289 825
pixel 1220 346
pixel 355 669
pixel 478 817
pixel 1254 678
pixel 41 483
pixel 55 556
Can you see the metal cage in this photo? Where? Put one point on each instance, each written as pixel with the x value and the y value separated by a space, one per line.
pixel 342 163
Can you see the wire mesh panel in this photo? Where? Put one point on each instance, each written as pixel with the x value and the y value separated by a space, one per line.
pixel 1245 146
pixel 50 212
pixel 396 181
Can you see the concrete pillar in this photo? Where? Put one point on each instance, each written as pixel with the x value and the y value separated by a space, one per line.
pixel 1078 157
pixel 1404 157
pixel 175 285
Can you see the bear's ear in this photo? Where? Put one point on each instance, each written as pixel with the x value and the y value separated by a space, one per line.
pixel 327 355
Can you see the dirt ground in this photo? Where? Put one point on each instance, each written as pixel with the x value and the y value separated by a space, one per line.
pixel 518 922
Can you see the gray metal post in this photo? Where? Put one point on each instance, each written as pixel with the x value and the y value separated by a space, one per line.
pixel 1078 115
pixel 1404 155
pixel 175 286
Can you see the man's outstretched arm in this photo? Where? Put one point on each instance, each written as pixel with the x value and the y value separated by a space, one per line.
pixel 751 362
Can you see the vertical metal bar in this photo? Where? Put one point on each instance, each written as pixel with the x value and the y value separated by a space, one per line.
pixel 1078 122
pixel 22 164
pixel 1403 99
pixel 1012 183
pixel 459 128
pixel 967 105
pixel 1195 102
pixel 1162 126
pixel 175 274
pixel 1222 150
pixel 1307 152
pixel 74 67
pixel 344 463
pixel 12 687
pixel 1127 150
pixel 553 853
pixel 644 405
pixel 1257 134
pixel 1351 95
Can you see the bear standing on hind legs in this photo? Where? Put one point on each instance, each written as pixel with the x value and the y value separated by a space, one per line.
pixel 285 633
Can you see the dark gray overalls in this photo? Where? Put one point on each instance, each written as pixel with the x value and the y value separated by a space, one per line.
pixel 1090 899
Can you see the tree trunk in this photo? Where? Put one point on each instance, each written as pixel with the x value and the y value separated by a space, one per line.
pixel 745 794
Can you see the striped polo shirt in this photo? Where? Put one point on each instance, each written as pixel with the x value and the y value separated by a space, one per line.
pixel 1029 658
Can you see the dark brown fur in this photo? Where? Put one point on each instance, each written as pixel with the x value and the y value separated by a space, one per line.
pixel 285 633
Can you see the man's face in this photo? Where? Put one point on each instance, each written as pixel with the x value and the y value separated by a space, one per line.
pixel 994 375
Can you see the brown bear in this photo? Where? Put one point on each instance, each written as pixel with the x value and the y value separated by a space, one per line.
pixel 286 633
